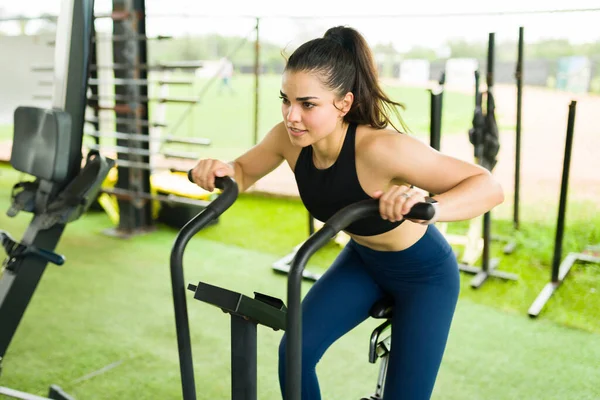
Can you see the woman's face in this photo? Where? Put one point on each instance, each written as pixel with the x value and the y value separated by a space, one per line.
pixel 308 108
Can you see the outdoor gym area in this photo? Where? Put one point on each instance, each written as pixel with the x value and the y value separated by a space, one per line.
pixel 122 279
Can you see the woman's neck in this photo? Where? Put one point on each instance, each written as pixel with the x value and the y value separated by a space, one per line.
pixel 327 150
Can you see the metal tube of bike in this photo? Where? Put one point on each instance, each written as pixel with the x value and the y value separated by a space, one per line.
pixel 216 208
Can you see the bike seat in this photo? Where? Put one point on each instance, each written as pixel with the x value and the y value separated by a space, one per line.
pixel 383 308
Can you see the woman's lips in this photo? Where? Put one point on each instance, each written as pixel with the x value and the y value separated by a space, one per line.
pixel 296 132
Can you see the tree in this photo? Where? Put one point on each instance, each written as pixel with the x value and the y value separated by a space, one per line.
pixel 460 48
pixel 421 52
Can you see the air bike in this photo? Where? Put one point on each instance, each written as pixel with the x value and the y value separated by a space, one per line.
pixel 246 312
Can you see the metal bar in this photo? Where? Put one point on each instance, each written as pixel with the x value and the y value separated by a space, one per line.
pixel 325 16
pixel 119 15
pixel 435 119
pixel 122 150
pixel 93 82
pixel 487 219
pixel 143 99
pixel 94 75
pixel 123 109
pixel 383 16
pixel 171 198
pixel 490 61
pixel 137 165
pixel 435 122
pixel 42 97
pixel 243 359
pixel 147 138
pixel 148 167
pixel 519 77
pixel 42 68
pixel 544 296
pixel 564 188
pixel 256 79
pixel 125 38
pixel 155 67
pixel 487 239
pixel 96 120
pixel 16 394
pixel 140 152
pixel 174 154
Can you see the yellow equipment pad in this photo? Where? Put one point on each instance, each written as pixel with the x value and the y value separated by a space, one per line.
pixel 178 184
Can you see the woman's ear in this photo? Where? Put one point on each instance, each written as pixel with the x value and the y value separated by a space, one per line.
pixel 346 103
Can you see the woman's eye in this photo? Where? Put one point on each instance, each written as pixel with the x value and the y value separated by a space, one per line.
pixel 308 105
pixel 284 100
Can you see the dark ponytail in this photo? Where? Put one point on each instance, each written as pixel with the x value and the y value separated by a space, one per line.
pixel 344 60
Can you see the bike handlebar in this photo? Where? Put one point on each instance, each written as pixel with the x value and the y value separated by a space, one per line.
pixel 338 222
pixel 211 212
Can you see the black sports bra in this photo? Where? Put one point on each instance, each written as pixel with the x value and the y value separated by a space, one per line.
pixel 326 191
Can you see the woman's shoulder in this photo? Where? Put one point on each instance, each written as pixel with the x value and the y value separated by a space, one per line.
pixel 369 139
pixel 278 138
pixel 278 133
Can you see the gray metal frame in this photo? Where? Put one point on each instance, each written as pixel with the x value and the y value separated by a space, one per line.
pixel 22 275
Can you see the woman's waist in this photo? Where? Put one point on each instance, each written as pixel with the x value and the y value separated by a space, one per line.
pixel 398 239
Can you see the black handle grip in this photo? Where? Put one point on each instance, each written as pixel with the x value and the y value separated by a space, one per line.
pixel 224 183
pixel 49 256
pixel 366 208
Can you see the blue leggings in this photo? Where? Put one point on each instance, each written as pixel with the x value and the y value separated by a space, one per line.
pixel 424 281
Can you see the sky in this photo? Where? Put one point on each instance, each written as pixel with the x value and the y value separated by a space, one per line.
pixel 381 23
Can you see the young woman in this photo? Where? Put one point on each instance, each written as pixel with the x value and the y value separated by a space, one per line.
pixel 335 136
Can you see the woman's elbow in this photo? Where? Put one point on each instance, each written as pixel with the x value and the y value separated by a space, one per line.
pixel 496 193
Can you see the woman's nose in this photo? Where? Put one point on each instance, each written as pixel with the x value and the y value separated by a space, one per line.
pixel 293 114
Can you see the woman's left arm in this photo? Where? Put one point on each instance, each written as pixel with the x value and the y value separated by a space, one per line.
pixel 463 190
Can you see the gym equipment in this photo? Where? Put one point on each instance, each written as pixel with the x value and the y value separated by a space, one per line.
pixel 484 137
pixel 472 242
pixel 519 79
pixel 47 146
pixel 335 224
pixel 380 348
pixel 560 270
pixel 246 313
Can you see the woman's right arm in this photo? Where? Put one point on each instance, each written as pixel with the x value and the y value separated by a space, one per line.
pixel 250 166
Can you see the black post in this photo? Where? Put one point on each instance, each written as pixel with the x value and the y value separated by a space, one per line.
pixel 94 103
pixel 135 215
pixel 435 121
pixel 562 205
pixel 561 267
pixel 435 118
pixel 256 80
pixel 243 359
pixel 486 146
pixel 487 219
pixel 519 76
